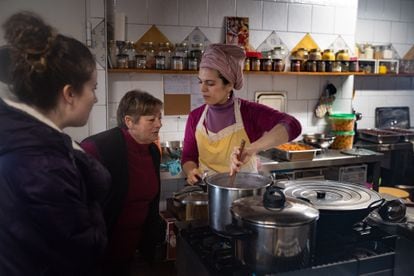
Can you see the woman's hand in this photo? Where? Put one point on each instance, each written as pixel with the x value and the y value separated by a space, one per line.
pixel 237 161
pixel 193 176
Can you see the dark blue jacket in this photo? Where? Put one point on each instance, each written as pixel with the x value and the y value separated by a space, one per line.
pixel 51 221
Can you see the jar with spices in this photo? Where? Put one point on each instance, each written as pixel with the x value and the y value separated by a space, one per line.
pixel 192 63
pixel 295 65
pixel 122 61
pixel 387 52
pixel 328 66
pixel 160 62
pixel 278 65
pixel 328 54
pixel 311 66
pixel 353 66
pixel 181 50
pixel 164 49
pixel 368 51
pixel 321 66
pixel 177 63
pixel 337 66
pixel 255 66
pixel 246 66
pixel 130 51
pixel 141 61
pixel 344 66
pixel 197 50
pixel 266 64
pixel 342 55
pixel 149 51
pixel 315 54
pixel 378 52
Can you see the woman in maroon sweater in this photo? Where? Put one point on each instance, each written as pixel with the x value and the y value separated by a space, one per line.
pixel 131 209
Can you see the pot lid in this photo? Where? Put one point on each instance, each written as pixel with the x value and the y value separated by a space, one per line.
pixel 287 211
pixel 192 195
pixel 243 180
pixel 331 195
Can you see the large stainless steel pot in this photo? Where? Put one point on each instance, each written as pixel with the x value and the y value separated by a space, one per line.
pixel 341 205
pixel 221 195
pixel 282 231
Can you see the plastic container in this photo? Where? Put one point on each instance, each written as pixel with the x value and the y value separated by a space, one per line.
pixel 342 121
pixel 343 140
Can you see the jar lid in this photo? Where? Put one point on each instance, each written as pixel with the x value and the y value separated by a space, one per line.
pixel 344 133
pixel 342 116
pixel 288 211
pixel 315 50
pixel 254 54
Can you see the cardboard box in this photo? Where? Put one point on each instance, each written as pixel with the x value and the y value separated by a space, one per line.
pixel 170 235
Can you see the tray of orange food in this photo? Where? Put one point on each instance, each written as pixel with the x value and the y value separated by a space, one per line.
pixel 295 151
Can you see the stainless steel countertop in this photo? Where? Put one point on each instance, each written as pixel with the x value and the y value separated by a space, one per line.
pixel 324 159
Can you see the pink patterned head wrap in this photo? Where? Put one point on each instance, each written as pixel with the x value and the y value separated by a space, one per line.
pixel 227 59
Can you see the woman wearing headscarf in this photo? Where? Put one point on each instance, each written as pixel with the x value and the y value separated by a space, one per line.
pixel 214 130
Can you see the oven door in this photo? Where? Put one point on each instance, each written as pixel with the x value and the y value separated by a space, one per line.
pixel 273 99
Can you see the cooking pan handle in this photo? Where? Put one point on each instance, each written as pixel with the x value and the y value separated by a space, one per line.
pixel 236 232
pixel 376 204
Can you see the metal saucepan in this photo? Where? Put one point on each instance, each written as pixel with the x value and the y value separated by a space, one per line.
pixel 280 231
pixel 222 193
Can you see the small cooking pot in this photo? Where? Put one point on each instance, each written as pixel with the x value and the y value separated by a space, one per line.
pixel 193 200
pixel 341 205
pixel 280 233
pixel 222 192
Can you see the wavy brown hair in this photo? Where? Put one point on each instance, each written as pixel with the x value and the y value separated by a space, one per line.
pixel 43 61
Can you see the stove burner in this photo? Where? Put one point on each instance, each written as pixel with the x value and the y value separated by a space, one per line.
pixel 216 254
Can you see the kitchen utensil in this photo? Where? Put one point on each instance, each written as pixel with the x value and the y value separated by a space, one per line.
pixel 221 195
pixel 233 177
pixel 282 231
pixel 319 140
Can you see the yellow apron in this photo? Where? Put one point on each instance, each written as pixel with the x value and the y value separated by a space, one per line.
pixel 214 149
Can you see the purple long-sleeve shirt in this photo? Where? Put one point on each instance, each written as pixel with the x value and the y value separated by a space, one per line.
pixel 257 119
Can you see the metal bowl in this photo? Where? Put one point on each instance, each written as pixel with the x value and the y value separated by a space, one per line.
pixel 172 149
pixel 319 140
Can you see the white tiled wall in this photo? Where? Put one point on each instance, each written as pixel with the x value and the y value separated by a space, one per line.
pixel 384 21
pixel 324 20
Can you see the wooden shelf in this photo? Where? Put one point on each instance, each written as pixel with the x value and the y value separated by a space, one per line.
pixel 151 71
pixel 177 72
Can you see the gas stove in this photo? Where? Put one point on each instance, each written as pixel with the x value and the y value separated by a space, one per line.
pixel 362 250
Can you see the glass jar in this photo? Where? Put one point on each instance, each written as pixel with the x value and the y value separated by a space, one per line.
pixel 378 52
pixel 177 63
pixel 368 51
pixel 246 66
pixel 181 50
pixel 302 53
pixel 315 54
pixel 148 50
pixel 342 55
pixel 192 63
pixel 278 65
pixel 353 66
pixel 311 66
pixel 197 50
pixel 164 49
pixel 122 61
pixel 387 52
pixel 255 66
pixel 328 66
pixel 321 66
pixel 337 66
pixel 266 64
pixel 130 51
pixel 295 65
pixel 328 54
pixel 141 61
pixel 160 62
pixel 344 66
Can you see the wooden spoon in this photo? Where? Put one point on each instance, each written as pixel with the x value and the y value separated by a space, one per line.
pixel 233 177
